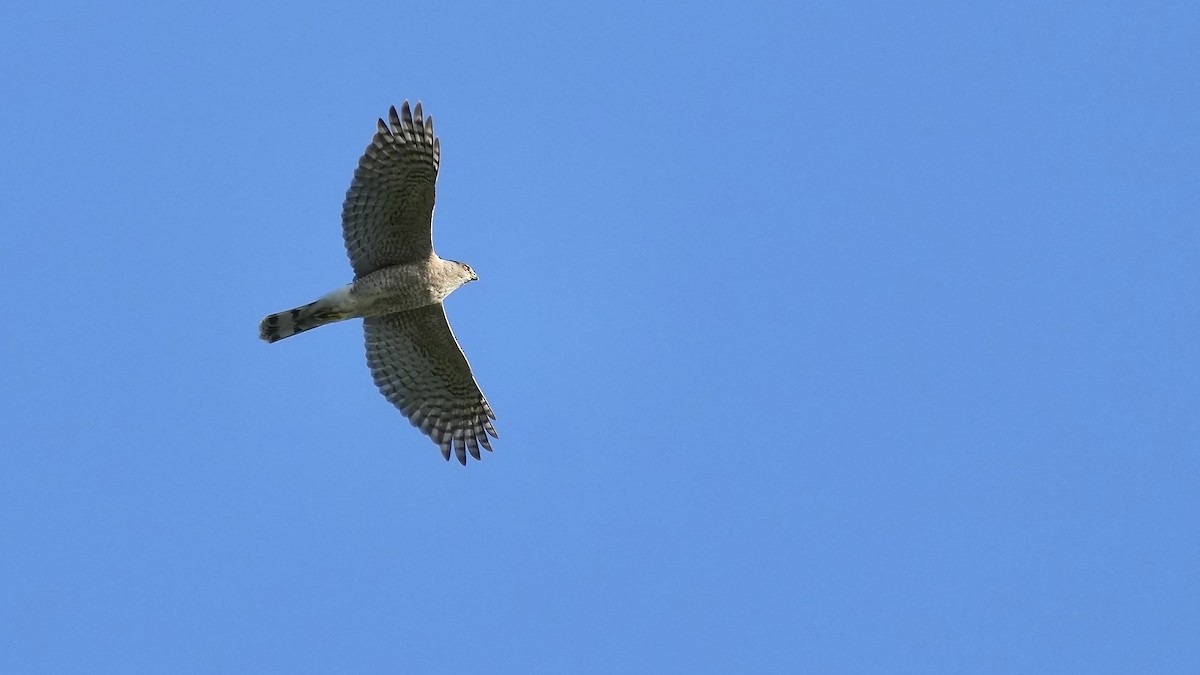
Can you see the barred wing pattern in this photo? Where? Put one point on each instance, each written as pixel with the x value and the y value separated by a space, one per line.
pixel 388 212
pixel 418 366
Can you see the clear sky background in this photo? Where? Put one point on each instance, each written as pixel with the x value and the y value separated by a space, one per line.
pixel 823 337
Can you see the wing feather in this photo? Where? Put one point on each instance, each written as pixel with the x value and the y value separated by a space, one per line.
pixel 418 366
pixel 388 213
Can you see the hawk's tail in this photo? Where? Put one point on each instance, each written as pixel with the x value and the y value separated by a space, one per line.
pixel 328 309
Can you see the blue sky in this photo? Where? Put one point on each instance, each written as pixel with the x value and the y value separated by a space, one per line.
pixel 823 337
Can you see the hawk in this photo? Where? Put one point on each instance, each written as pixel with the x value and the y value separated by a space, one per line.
pixel 398 288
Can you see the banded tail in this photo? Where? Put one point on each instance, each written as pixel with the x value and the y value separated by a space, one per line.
pixel 331 308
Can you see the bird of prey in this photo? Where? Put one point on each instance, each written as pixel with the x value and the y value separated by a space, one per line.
pixel 398 288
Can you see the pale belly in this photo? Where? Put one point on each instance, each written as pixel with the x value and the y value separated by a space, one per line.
pixel 393 289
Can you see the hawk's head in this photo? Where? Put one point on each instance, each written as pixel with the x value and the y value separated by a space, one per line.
pixel 462 271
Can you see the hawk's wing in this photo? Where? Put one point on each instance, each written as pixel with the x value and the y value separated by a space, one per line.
pixel 418 365
pixel 388 211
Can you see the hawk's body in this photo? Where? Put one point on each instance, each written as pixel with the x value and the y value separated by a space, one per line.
pixel 398 288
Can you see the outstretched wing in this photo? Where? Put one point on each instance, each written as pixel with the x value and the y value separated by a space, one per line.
pixel 388 212
pixel 418 366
